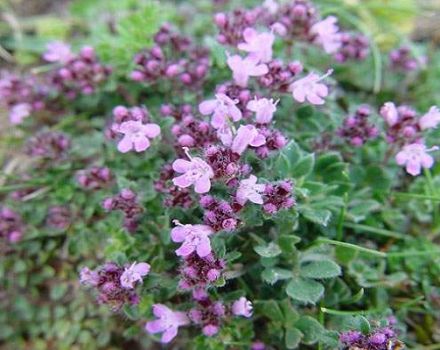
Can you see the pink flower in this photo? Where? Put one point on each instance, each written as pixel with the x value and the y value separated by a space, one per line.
pixel 136 135
pixel 134 274
pixel 18 112
pixel 57 51
pixel 88 277
pixel 326 33
pixel 195 172
pixel 194 238
pixel 247 135
pixel 222 109
pixel 243 68
pixel 309 88
pixel 271 6
pixel 225 135
pixel 389 113
pixel 242 307
pixel 415 157
pixel 168 322
pixel 263 108
pixel 430 119
pixel 259 45
pixel 248 189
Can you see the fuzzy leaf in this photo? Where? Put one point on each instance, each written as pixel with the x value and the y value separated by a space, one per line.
pixel 320 269
pixel 305 290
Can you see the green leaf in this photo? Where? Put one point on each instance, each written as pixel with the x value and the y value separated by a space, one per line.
pixel 320 269
pixel 287 243
pixel 311 329
pixel 305 290
pixel 292 338
pixel 304 166
pixel 318 216
pixel 268 251
pixel 275 274
pixel 270 309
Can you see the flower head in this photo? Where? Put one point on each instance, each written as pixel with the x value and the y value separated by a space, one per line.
pixel 243 68
pixel 88 277
pixel 415 157
pixel 194 237
pixel 242 307
pixel 134 274
pixel 18 112
pixel 194 172
pixel 57 51
pixel 222 109
pixel 248 189
pixel 247 135
pixel 136 135
pixel 430 119
pixel 259 45
pixel 326 33
pixel 309 88
pixel 168 322
pixel 264 109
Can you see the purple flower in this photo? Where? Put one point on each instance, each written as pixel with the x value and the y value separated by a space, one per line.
pixel 309 88
pixel 259 45
pixel 168 322
pixel 18 112
pixel 430 119
pixel 195 238
pixel 11 225
pixel 389 113
pixel 134 274
pixel 57 51
pixel 136 135
pixel 243 68
pixel 415 157
pixel 88 277
pixel 242 307
pixel 195 172
pixel 350 337
pixel 222 109
pixel 248 189
pixel 94 178
pixel 263 108
pixel 326 33
pixel 247 135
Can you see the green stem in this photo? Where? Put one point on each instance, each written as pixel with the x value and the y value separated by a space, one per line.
pixel 432 192
pixel 340 226
pixel 352 246
pixel 416 196
pixel 376 230
pixel 344 313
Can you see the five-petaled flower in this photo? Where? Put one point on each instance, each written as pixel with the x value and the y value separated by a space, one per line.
pixel 194 172
pixel 136 135
pixel 134 274
pixel 242 307
pixel 259 45
pixel 415 157
pixel 168 322
pixel 310 88
pixel 264 109
pixel 243 68
pixel 248 189
pixel 430 119
pixel 326 33
pixel 222 109
pixel 247 135
pixel 194 238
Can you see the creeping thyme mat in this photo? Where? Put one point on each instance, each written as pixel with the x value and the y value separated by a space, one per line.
pixel 219 175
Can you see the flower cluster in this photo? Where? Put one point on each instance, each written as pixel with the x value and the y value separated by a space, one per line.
pixel 115 284
pixel 21 95
pixel 381 338
pixel 11 225
pixel 125 201
pixel 356 128
pixel 402 59
pixel 354 46
pixel 173 57
pixel 174 196
pixel 49 145
pixel 78 74
pixel 94 178
pixel 219 214
pixel 405 130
